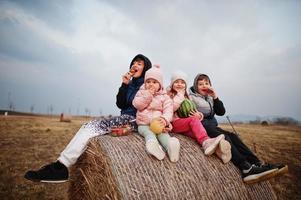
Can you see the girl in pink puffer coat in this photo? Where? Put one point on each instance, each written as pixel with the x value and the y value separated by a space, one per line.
pixel 152 101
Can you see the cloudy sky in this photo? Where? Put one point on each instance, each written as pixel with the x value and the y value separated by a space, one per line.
pixel 71 54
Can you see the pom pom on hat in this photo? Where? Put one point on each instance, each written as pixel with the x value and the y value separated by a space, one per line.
pixel 155 73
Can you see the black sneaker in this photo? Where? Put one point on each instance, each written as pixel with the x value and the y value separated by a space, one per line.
pixel 52 173
pixel 280 168
pixel 257 173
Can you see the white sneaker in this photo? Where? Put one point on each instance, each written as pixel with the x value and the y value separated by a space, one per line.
pixel 223 151
pixel 154 148
pixel 211 144
pixel 173 149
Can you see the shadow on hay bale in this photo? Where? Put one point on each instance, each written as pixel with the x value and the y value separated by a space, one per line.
pixel 120 168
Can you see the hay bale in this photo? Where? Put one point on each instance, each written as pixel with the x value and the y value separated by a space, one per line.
pixel 65 118
pixel 120 168
pixel 264 123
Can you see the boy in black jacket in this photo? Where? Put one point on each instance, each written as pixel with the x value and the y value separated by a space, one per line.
pixel 57 172
pixel 252 169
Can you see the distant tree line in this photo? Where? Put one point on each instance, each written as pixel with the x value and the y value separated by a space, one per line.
pixel 11 106
pixel 285 121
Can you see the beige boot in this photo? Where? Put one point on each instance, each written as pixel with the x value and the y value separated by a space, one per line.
pixel 224 151
pixel 173 149
pixel 154 148
pixel 211 144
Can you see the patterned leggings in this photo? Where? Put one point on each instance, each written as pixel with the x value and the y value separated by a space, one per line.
pixel 79 142
pixel 104 126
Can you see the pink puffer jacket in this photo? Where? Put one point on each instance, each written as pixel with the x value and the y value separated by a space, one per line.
pixel 150 107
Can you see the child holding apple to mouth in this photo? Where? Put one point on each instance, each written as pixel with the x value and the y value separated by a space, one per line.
pixel 57 172
pixel 154 113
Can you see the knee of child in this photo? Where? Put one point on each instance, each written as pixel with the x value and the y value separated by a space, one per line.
pixel 87 133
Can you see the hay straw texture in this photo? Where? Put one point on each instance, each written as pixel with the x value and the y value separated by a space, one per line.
pixel 120 168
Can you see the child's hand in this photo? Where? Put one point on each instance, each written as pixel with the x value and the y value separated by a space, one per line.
pixel 166 129
pixel 180 91
pixel 162 121
pixel 152 90
pixel 211 92
pixel 195 113
pixel 126 78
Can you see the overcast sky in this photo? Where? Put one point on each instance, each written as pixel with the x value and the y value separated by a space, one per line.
pixel 71 54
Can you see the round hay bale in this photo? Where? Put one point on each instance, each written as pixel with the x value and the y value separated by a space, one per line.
pixel 65 118
pixel 120 168
pixel 264 123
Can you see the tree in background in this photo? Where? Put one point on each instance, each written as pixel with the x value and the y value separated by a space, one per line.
pixel 87 111
pixel 50 109
pixel 32 108
pixel 11 105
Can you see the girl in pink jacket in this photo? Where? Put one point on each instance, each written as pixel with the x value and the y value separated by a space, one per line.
pixel 151 102
pixel 192 126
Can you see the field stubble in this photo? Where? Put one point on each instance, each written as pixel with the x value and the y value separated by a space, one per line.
pixel 30 142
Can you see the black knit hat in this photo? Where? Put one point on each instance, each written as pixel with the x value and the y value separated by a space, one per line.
pixel 147 63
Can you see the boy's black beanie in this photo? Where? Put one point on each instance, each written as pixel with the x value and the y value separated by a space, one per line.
pixel 147 63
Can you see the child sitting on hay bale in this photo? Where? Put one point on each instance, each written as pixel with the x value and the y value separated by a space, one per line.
pixel 153 103
pixel 252 169
pixel 190 125
pixel 58 171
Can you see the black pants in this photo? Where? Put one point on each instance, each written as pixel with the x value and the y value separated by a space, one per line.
pixel 240 152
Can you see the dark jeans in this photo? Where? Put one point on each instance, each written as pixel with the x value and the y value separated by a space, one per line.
pixel 240 152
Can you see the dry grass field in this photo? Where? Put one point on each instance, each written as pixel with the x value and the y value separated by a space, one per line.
pixel 276 144
pixel 30 142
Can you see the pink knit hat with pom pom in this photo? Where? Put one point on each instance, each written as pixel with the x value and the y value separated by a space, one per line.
pixel 155 73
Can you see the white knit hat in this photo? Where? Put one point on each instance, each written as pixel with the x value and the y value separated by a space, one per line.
pixel 178 75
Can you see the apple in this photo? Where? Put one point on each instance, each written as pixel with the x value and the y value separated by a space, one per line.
pixel 156 126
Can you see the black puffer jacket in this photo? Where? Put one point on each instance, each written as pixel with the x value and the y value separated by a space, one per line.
pixel 126 93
